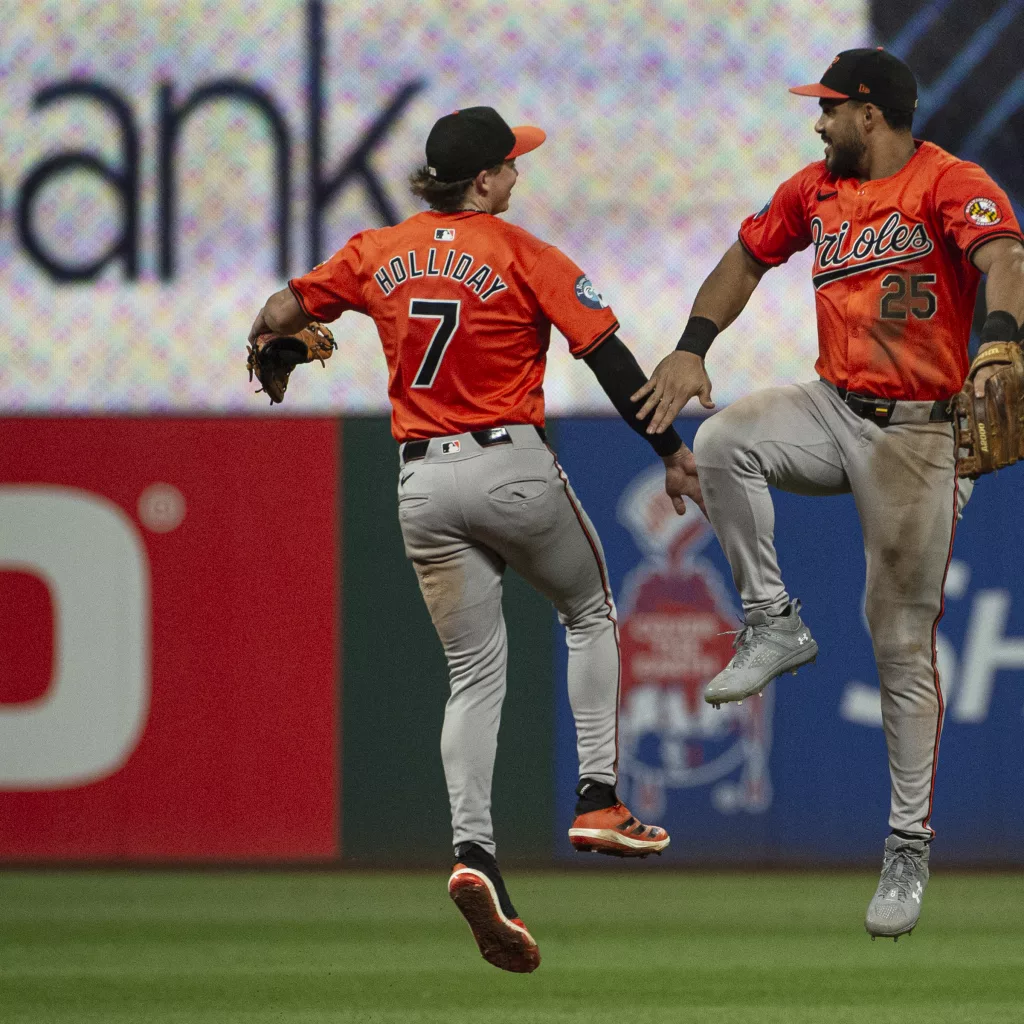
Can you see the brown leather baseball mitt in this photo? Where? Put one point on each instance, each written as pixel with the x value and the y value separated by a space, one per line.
pixel 990 429
pixel 272 357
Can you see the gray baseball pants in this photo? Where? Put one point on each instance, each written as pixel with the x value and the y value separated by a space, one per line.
pixel 466 513
pixel 804 439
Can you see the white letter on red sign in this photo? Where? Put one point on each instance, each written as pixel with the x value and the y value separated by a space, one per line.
pixel 92 559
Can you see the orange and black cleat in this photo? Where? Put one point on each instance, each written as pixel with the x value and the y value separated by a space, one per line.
pixel 477 889
pixel 611 829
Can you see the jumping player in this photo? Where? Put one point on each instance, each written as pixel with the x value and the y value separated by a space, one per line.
pixel 902 232
pixel 464 304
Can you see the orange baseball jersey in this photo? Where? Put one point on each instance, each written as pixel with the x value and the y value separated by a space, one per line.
pixel 894 284
pixel 463 304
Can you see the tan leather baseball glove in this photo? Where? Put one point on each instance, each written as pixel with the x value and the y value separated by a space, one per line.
pixel 272 357
pixel 990 428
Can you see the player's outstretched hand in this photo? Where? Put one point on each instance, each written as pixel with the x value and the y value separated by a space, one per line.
pixel 676 379
pixel 681 480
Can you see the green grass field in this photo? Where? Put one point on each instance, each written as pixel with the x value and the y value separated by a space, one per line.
pixel 648 946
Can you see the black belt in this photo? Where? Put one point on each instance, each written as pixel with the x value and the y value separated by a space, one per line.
pixel 413 450
pixel 871 407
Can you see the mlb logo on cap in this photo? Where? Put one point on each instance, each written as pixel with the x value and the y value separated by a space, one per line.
pixel 444 235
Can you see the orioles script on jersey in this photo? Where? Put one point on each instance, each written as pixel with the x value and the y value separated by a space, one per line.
pixel 400 269
pixel 895 241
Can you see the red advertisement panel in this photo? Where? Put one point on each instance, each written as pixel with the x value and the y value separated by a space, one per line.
pixel 168 639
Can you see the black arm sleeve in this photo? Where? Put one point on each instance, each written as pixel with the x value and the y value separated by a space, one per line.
pixel 618 372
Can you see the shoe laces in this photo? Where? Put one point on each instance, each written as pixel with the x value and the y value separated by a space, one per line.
pixel 742 638
pixel 900 873
pixel 742 643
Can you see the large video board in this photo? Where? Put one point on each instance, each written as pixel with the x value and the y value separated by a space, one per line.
pixel 164 166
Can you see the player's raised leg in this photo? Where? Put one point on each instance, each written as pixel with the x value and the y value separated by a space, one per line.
pixel 906 493
pixel 556 549
pixel 772 437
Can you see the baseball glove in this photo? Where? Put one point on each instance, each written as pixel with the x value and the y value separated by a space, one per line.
pixel 272 357
pixel 990 430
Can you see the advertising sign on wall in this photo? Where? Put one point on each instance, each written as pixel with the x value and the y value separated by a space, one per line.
pixel 159 694
pixel 801 773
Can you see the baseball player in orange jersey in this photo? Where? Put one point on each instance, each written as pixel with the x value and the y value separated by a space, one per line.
pixel 902 233
pixel 464 305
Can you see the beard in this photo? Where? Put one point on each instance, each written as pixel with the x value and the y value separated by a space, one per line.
pixel 846 157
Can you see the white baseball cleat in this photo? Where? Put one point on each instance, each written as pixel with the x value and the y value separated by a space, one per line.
pixel 766 646
pixel 896 905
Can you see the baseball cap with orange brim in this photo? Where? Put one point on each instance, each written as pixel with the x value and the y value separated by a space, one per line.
pixel 869 76
pixel 468 141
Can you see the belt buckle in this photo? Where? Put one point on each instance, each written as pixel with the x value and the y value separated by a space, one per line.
pixel 871 407
pixel 881 413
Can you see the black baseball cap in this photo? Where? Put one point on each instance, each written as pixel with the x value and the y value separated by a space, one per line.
pixel 868 75
pixel 462 144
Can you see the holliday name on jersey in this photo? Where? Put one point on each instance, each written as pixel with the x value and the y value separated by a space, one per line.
pixel 894 242
pixel 405 268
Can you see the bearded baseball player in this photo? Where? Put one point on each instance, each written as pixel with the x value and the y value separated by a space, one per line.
pixel 902 233
pixel 464 303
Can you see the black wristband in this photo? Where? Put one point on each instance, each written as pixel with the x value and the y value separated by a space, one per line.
pixel 999 326
pixel 698 335
pixel 667 443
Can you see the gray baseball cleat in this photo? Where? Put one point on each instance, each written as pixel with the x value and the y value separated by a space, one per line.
pixel 766 646
pixel 896 905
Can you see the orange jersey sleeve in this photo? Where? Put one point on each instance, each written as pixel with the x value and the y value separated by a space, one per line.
pixel 972 208
pixel 333 287
pixel 782 227
pixel 570 302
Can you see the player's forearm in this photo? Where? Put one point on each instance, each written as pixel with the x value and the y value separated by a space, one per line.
pixel 1004 288
pixel 619 374
pixel 727 289
pixel 720 299
pixel 282 313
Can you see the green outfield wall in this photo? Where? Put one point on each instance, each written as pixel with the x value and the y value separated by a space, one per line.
pixel 394 687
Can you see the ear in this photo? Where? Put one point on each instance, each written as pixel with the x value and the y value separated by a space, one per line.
pixel 480 182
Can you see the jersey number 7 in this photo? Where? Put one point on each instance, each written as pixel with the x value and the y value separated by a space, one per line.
pixel 447 312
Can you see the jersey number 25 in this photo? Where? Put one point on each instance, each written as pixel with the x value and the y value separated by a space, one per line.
pixel 895 304
pixel 446 312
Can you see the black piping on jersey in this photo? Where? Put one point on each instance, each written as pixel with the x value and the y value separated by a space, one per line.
pixel 608 599
pixel 935 655
pixel 757 259
pixel 979 242
pixel 820 280
pixel 596 343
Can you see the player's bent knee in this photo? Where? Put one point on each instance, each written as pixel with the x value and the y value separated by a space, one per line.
pixel 718 442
